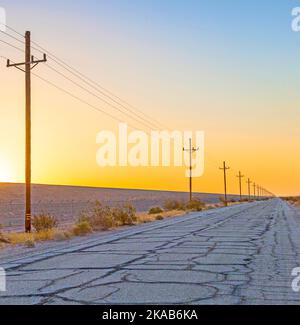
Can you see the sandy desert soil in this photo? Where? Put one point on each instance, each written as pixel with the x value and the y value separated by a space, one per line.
pixel 67 202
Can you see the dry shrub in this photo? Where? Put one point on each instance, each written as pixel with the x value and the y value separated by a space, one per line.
pixel 125 215
pixel 23 238
pixel 155 210
pixel 82 228
pixel 170 205
pixel 104 218
pixel 99 218
pixel 44 222
pixel 159 218
pixel 195 205
pixel 44 235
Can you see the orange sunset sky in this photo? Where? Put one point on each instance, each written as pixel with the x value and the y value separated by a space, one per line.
pixel 191 65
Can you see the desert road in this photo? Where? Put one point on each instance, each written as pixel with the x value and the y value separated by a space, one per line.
pixel 243 254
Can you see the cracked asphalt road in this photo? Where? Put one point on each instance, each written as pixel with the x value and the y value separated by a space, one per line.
pixel 242 254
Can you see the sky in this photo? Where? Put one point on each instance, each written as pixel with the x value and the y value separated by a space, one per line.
pixel 229 68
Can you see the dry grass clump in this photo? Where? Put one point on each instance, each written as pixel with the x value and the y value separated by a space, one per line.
pixel 155 210
pixel 124 216
pixel 44 222
pixel 195 205
pixel 21 238
pixel 82 228
pixel 104 218
pixel 99 218
pixel 27 239
pixel 171 205
pixel 146 217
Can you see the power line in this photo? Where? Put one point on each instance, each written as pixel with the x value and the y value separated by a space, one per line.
pixel 13 30
pixel 13 37
pixel 74 96
pixel 11 45
pixel 79 99
pixel 91 93
pixel 90 82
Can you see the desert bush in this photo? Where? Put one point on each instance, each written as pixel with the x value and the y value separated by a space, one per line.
pixel 155 210
pixel 82 228
pixel 44 222
pixel 170 205
pixel 125 215
pixel 158 218
pixel 100 218
pixel 195 204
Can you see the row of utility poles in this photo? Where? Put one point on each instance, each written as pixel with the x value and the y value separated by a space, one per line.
pixel 30 63
pixel 258 191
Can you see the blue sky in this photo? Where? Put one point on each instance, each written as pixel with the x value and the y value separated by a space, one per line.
pixel 230 68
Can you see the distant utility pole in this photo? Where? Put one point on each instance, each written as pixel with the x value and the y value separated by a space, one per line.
pixel 254 188
pixel 240 176
pixel 249 188
pixel 191 150
pixel 225 168
pixel 29 64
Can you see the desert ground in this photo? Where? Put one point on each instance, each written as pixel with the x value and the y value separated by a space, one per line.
pixel 67 202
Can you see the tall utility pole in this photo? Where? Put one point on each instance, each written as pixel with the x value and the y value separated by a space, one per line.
pixel 225 168
pixel 249 188
pixel 191 150
pixel 254 188
pixel 29 64
pixel 240 176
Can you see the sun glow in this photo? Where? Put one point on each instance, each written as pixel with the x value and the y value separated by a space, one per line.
pixel 5 171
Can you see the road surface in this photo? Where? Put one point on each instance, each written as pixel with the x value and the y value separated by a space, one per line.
pixel 242 254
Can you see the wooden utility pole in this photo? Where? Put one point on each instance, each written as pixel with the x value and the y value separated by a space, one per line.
pixel 254 188
pixel 240 176
pixel 225 168
pixel 191 150
pixel 249 188
pixel 29 64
